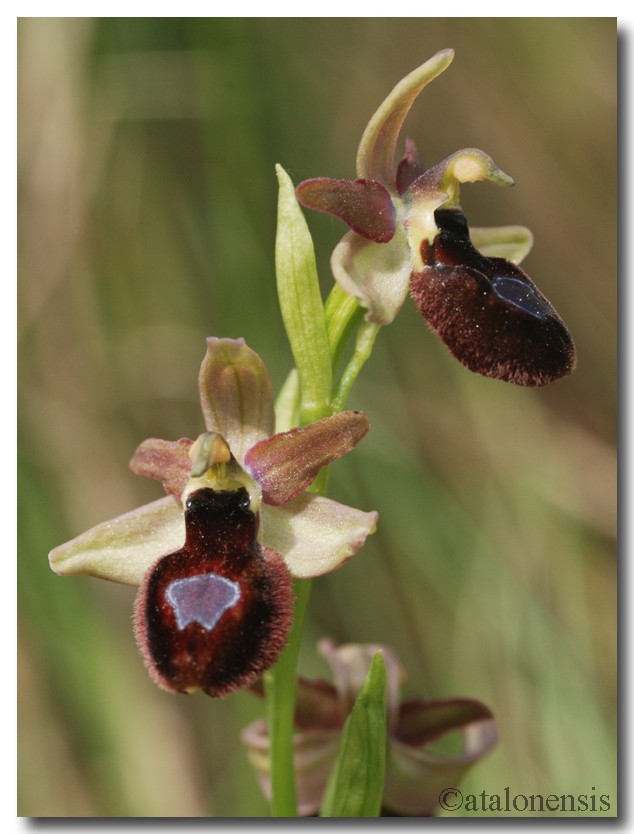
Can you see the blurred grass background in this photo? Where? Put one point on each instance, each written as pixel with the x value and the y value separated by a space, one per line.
pixel 147 201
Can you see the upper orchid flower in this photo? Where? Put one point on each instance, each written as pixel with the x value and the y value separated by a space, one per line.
pixel 416 770
pixel 215 599
pixel 408 232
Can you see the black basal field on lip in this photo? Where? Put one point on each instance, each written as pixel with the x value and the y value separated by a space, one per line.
pixel 214 615
pixel 487 310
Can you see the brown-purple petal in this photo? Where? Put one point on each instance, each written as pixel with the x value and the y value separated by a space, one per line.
pixel 317 706
pixel 285 464
pixel 409 168
pixel 487 311
pixel 365 205
pixel 420 722
pixel 166 461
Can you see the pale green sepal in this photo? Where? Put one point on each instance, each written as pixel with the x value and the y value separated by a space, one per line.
pixel 315 534
pixel 376 274
pixel 236 395
pixel 513 243
pixel 300 302
pixel 375 157
pixel 124 548
pixel 355 786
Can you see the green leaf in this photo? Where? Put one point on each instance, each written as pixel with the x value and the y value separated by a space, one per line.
pixel 301 304
pixel 355 786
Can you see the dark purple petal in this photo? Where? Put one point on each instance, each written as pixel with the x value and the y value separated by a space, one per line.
pixel 409 168
pixel 487 311
pixel 365 205
pixel 420 722
pixel 215 614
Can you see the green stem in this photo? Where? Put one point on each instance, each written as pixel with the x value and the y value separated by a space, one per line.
pixel 280 681
pixel 366 335
pixel 342 313
pixel 280 685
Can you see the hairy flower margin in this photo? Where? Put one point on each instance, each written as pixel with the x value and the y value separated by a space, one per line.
pixel 408 232
pixel 416 769
pixel 219 551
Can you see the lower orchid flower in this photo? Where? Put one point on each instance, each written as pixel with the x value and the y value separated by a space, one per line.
pixel 416 769
pixel 408 232
pixel 215 558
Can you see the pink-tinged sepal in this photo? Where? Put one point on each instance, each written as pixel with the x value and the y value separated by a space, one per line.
pixel 285 464
pixel 365 205
pixel 236 395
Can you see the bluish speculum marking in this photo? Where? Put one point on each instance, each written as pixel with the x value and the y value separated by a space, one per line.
pixel 520 295
pixel 201 599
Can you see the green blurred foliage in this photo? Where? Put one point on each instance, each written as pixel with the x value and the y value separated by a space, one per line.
pixel 147 199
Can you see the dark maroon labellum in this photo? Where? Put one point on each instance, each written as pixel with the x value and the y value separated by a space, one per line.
pixel 214 615
pixel 487 311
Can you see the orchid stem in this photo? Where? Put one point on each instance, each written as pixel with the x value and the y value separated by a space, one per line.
pixel 366 335
pixel 343 313
pixel 281 686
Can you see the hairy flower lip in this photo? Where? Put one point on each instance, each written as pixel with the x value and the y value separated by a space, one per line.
pixel 487 311
pixel 215 614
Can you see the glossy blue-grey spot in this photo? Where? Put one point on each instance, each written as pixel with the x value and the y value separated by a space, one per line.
pixel 520 295
pixel 202 599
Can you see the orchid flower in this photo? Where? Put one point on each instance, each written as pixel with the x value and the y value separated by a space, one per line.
pixel 416 769
pixel 215 558
pixel 408 232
